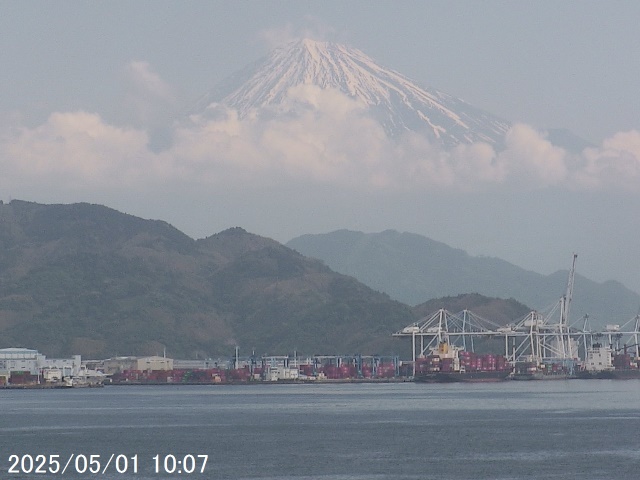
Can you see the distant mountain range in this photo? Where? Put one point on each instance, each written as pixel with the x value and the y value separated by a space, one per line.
pixel 412 269
pixel 86 279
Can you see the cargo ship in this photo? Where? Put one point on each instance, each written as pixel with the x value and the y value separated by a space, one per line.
pixel 447 364
pixel 603 363
pixel 526 371
pixel 532 370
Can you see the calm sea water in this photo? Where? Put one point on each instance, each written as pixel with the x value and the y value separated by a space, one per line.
pixel 516 430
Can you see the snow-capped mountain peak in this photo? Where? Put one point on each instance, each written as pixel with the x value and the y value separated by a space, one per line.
pixel 398 103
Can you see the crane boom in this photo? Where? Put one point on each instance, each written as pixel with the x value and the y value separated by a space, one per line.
pixel 569 294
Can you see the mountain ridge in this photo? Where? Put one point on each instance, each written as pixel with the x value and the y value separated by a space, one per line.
pixel 413 269
pixel 399 104
pixel 86 279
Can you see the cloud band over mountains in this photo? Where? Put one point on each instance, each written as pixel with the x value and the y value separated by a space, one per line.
pixel 317 135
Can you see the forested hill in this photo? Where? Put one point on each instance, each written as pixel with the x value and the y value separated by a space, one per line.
pixel 86 279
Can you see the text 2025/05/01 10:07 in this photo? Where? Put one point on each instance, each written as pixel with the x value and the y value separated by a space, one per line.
pixel 101 464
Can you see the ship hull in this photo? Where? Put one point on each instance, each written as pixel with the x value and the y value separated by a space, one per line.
pixel 466 377
pixel 609 375
pixel 540 376
pixel 524 377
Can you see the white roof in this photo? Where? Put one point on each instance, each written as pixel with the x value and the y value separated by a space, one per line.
pixel 17 350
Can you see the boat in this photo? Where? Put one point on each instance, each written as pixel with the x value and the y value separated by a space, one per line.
pixel 87 378
pixel 453 377
pixel 526 371
pixel 448 364
pixel 531 370
pixel 615 374
pixel 604 363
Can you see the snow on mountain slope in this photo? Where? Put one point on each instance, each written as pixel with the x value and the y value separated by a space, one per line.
pixel 394 100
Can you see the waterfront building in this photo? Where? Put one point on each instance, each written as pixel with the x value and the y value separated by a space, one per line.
pixel 20 360
pixel 27 366
pixel 154 363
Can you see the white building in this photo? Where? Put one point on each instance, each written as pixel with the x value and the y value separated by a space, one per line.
pixel 13 360
pixel 21 360
pixel 282 373
pixel 69 367
pixel 198 364
pixel 119 364
pixel 280 368
pixel 154 363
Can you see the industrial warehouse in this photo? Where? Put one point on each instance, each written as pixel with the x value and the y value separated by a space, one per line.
pixel 22 367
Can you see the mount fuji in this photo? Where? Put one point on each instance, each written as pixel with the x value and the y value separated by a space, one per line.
pixel 395 101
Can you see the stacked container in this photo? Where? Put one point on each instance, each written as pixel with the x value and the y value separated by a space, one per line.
pixel 622 361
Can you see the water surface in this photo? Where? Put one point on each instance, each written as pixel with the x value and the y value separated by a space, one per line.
pixel 514 430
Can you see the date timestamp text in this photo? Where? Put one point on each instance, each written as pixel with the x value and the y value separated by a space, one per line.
pixel 80 463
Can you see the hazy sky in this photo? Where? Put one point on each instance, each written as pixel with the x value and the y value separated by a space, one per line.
pixel 87 88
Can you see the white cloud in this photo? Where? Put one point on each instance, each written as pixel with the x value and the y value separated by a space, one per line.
pixel 319 136
pixel 478 164
pixel 72 149
pixel 146 80
pixel 616 164
pixel 531 158
pixel 149 100
pixel 277 37
pixel 313 28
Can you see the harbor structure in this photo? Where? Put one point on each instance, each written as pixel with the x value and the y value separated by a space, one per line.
pixel 446 347
pixel 28 367
pixel 542 345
